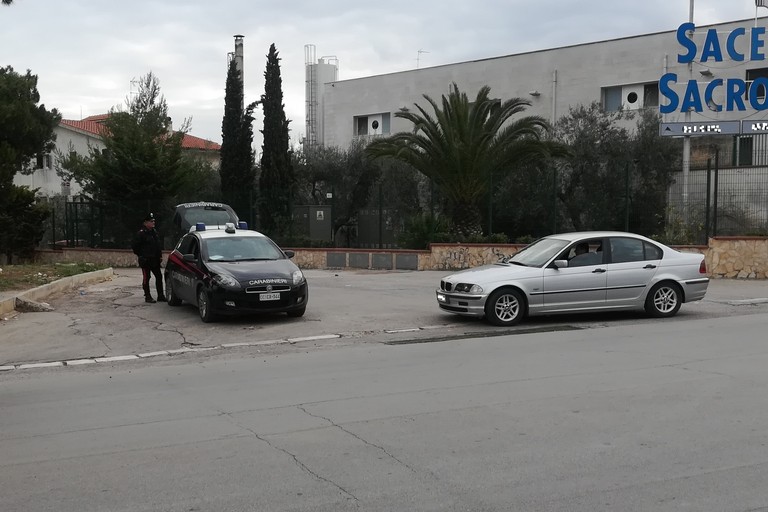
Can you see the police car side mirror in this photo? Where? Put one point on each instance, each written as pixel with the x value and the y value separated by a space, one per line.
pixel 560 263
pixel 289 253
pixel 189 257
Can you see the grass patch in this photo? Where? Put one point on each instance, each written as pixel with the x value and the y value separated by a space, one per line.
pixel 25 277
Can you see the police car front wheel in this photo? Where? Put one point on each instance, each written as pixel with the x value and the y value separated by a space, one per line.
pixel 204 306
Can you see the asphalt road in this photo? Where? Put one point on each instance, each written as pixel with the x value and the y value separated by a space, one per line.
pixel 629 416
pixel 108 322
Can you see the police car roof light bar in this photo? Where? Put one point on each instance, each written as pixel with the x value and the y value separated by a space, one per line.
pixel 242 225
pixel 200 226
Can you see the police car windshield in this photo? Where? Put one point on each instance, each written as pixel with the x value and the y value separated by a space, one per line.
pixel 208 216
pixel 241 249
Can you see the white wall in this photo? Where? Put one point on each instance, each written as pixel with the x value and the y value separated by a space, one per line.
pixel 581 71
pixel 45 179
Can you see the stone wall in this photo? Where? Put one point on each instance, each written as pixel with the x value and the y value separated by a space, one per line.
pixel 730 257
pixel 738 257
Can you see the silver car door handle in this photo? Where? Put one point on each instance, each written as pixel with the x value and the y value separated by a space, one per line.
pixel 598 271
pixel 650 266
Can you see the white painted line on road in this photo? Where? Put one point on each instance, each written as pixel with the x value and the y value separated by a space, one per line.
pixel 77 362
pixel 253 343
pixel 115 358
pixel 746 301
pixel 313 338
pixel 184 350
pixel 153 354
pixel 39 365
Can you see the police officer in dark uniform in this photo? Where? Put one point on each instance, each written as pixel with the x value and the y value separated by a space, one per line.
pixel 147 245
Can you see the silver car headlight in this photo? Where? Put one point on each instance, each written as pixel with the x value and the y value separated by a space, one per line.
pixel 297 276
pixel 226 281
pixel 469 288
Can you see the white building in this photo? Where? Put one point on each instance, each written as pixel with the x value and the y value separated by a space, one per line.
pixel 80 136
pixel 624 72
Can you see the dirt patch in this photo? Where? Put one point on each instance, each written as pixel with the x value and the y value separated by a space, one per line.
pixel 28 276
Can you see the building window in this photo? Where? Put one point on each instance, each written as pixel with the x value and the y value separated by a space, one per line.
pixel 651 93
pixel 371 125
pixel 752 75
pixel 44 161
pixel 611 99
pixel 630 97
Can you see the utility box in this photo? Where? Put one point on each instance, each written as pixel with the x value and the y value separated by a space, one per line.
pixel 313 221
pixel 376 228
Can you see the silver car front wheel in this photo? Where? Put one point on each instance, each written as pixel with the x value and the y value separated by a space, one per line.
pixel 505 307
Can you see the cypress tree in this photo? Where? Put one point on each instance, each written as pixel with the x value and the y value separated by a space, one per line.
pixel 237 160
pixel 277 180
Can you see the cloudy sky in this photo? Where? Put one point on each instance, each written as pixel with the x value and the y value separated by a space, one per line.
pixel 87 52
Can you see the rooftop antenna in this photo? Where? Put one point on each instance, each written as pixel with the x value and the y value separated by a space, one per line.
pixel 133 83
pixel 418 57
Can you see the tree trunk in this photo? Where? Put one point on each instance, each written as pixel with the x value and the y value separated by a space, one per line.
pixel 467 221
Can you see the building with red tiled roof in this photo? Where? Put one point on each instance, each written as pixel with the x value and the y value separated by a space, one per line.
pixel 94 125
pixel 80 136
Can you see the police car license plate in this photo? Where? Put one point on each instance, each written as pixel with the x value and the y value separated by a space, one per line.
pixel 269 296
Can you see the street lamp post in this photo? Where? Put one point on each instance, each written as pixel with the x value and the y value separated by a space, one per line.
pixel 687 138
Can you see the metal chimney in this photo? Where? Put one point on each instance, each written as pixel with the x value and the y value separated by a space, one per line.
pixel 239 65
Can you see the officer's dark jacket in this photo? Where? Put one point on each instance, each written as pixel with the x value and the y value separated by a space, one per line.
pixel 147 244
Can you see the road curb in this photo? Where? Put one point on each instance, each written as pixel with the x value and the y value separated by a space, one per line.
pixel 40 293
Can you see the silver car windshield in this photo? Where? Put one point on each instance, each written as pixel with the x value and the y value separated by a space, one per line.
pixel 539 252
pixel 241 249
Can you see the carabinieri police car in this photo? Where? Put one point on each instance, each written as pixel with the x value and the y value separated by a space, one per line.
pixel 234 270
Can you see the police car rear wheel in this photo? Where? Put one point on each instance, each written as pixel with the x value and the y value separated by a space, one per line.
pixel 173 299
pixel 204 306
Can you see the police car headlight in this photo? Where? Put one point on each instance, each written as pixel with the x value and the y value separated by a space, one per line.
pixel 298 277
pixel 226 281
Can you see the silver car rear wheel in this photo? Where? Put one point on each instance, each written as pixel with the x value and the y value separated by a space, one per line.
pixel 505 307
pixel 664 300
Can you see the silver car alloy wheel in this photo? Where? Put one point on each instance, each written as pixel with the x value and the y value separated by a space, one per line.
pixel 665 299
pixel 507 307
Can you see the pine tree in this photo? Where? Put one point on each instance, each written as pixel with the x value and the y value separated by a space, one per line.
pixel 277 181
pixel 142 167
pixel 26 131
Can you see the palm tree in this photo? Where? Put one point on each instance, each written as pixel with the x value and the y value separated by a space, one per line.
pixel 7 2
pixel 463 145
